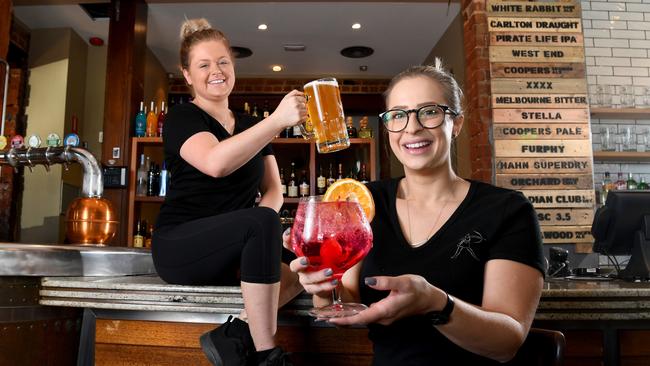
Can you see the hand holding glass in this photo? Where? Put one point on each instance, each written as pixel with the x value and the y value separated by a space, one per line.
pixel 333 235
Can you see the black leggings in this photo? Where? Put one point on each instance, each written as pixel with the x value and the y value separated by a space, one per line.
pixel 212 250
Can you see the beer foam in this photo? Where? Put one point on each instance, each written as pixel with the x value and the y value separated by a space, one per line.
pixel 332 82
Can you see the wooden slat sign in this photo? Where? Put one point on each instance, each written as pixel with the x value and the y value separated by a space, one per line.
pixel 538 165
pixel 539 149
pixel 540 115
pixel 536 86
pixel 560 198
pixel 566 234
pixel 517 8
pixel 565 216
pixel 519 131
pixel 545 181
pixel 541 39
pixel 539 100
pixel 536 54
pixel 561 25
pixel 537 70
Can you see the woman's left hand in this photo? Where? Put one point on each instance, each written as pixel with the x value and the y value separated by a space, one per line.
pixel 409 295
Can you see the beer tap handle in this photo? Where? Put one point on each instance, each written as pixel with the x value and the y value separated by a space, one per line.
pixel 29 161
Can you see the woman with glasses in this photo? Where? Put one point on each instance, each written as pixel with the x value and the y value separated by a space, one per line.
pixel 456 270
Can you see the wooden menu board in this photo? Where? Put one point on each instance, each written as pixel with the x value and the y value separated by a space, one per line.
pixel 541 132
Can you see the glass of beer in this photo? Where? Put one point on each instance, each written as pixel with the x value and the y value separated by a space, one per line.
pixel 326 115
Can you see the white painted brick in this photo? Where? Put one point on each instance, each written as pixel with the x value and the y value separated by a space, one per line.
pixel 590 61
pixel 620 43
pixel 646 16
pixel 642 81
pixel 641 62
pixel 613 6
pixel 588 42
pixel 620 15
pixel 614 80
pixel 613 61
pixel 634 8
pixel 602 15
pixel 630 71
pixel 628 34
pixel 629 52
pixel 600 70
pixel 586 23
pixel 585 5
pixel 636 43
pixel 638 25
pixel 603 51
pixel 596 33
pixel 609 24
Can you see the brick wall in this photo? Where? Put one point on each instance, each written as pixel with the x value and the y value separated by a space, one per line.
pixel 617 46
pixel 478 115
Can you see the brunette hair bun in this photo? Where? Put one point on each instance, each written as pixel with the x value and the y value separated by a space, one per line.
pixel 191 26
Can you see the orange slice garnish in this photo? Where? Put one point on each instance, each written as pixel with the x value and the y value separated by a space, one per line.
pixel 344 189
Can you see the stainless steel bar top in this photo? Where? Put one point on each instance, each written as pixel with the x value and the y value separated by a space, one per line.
pixel 18 259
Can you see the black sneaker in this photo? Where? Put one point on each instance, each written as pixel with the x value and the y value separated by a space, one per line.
pixel 228 345
pixel 277 357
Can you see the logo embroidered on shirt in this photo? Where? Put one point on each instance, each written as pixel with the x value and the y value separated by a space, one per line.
pixel 465 244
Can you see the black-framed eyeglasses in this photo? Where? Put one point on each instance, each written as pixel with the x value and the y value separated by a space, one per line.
pixel 428 116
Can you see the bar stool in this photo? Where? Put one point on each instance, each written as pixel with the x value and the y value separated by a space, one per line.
pixel 542 347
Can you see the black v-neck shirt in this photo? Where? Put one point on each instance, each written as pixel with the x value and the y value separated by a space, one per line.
pixel 490 223
pixel 191 194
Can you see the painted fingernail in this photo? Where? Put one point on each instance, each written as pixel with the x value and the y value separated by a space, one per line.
pixel 287 232
pixel 329 272
pixel 304 261
pixel 370 281
pixel 335 282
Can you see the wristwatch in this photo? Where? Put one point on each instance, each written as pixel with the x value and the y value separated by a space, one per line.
pixel 442 316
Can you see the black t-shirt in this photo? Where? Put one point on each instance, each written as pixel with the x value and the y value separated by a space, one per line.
pixel 490 223
pixel 191 194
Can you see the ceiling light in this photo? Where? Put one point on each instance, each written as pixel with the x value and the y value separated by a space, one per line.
pixel 276 68
pixel 262 27
pixel 356 26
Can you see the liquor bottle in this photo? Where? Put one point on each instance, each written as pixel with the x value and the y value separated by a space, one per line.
pixel 138 238
pixel 642 184
pixel 365 132
pixel 330 176
pixel 161 118
pixel 255 110
pixel 141 177
pixel 247 108
pixel 620 184
pixel 164 177
pixel 605 187
pixel 352 174
pixel 340 172
pixel 153 180
pixel 283 183
pixel 363 178
pixel 141 122
pixel 152 122
pixel 296 132
pixel 265 111
pixel 148 237
pixel 287 132
pixel 352 131
pixel 292 189
pixel 304 185
pixel 321 182
pixel 630 183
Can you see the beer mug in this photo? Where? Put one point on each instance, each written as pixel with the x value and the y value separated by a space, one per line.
pixel 325 115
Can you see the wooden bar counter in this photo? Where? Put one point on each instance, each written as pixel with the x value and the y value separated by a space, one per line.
pixel 140 320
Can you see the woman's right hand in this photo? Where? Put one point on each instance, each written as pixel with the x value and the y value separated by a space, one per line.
pixel 319 283
pixel 292 109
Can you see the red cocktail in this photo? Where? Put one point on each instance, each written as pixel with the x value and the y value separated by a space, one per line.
pixel 333 235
